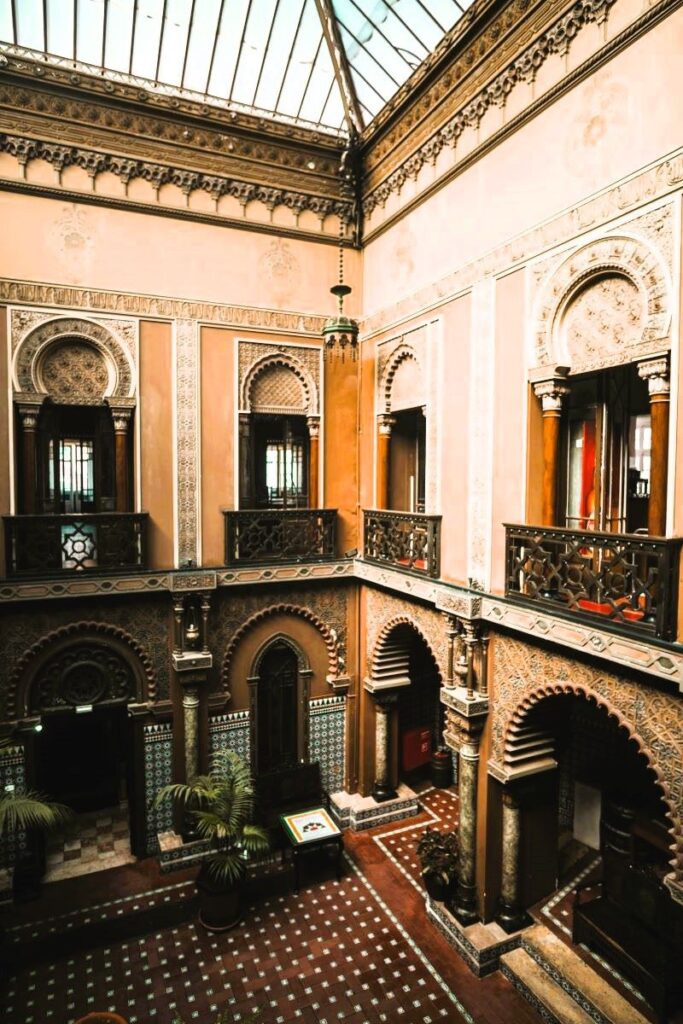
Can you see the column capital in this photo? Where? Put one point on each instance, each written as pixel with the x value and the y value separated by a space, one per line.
pixel 551 393
pixel 656 373
pixel 313 424
pixel 29 410
pixel 385 422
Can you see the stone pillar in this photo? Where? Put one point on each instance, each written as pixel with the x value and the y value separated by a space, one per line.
pixel 511 917
pixel 28 414
pixel 192 662
pixel 313 461
pixel 656 373
pixel 383 788
pixel 122 419
pixel 465 906
pixel 451 633
pixel 384 425
pixel 551 393
pixel 191 729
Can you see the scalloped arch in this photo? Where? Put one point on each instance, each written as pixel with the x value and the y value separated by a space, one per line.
pixel 536 696
pixel 380 650
pixel 288 361
pixel 281 609
pixel 21 679
pixel 400 354
pixel 33 347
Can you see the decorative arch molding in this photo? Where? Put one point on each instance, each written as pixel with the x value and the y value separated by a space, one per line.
pixel 328 637
pixel 400 355
pixel 41 344
pixel 619 260
pixel 303 663
pixel 540 693
pixel 102 634
pixel 285 362
pixel 383 649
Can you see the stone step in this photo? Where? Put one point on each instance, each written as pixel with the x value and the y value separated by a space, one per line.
pixel 553 1004
pixel 593 992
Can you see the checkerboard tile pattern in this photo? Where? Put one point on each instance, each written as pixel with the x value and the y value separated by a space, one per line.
pixel 90 842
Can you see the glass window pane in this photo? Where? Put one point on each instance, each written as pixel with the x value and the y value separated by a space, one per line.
pixel 119 31
pixel 29 14
pixel 90 28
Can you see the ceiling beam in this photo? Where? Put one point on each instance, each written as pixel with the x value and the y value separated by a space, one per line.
pixel 342 70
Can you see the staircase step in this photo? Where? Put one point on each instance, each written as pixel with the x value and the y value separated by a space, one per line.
pixel 554 1004
pixel 579 978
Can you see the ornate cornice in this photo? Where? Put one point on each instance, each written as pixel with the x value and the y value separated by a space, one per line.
pixel 127 169
pixel 445 128
pixel 250 318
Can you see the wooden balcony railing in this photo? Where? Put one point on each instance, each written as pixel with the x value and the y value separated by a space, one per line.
pixel 88 542
pixel 627 580
pixel 258 536
pixel 406 540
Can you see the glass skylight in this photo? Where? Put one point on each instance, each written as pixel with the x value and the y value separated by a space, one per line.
pixel 267 56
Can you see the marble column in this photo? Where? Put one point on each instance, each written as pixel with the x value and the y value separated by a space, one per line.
pixel 511 917
pixel 465 906
pixel 383 788
pixel 656 373
pixel 191 730
pixel 313 461
pixel 551 393
pixel 384 425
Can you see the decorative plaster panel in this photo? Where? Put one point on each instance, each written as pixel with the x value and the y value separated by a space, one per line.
pixel 383 611
pixel 187 438
pixel 279 364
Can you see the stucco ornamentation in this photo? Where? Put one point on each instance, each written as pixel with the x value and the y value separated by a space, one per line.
pixel 384 611
pixel 389 364
pixel 279 378
pixel 49 351
pixel 607 303
pixel 523 675
pixel 187 432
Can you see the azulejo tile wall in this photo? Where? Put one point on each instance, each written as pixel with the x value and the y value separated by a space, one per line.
pixel 326 744
pixel 12 773
pixel 158 740
pixel 231 732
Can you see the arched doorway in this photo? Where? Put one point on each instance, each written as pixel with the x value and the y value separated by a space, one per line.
pixel 420 713
pixel 279 703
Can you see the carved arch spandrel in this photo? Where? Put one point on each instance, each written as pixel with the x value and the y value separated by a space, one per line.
pixel 540 693
pixel 288 362
pixel 402 354
pixel 385 634
pixel 259 617
pixel 41 342
pixel 18 691
pixel 617 258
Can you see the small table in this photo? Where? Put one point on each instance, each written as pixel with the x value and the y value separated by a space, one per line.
pixel 310 830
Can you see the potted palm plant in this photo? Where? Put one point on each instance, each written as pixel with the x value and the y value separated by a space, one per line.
pixel 439 856
pixel 24 810
pixel 220 808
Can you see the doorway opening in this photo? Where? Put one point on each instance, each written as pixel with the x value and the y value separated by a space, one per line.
pixel 407 461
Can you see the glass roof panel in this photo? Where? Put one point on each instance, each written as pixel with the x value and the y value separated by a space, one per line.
pixel 269 56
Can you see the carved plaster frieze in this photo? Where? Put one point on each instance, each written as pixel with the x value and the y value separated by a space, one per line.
pixel 524 68
pixel 126 169
pixel 646 186
pixel 480 433
pixel 248 317
pixel 279 378
pixel 391 356
pixel 187 438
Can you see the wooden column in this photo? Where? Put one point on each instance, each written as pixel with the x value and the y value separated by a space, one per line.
pixel 656 373
pixel 313 461
pixel 384 425
pixel 245 497
pixel 551 393
pixel 122 418
pixel 29 453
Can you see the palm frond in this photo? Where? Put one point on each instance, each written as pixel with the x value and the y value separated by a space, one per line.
pixel 226 866
pixel 25 809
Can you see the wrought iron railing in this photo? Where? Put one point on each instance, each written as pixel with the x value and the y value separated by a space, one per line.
pixel 279 535
pixel 91 542
pixel 406 540
pixel 627 580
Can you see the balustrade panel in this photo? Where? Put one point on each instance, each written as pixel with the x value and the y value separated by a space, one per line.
pixel 99 542
pixel 628 580
pixel 406 540
pixel 279 535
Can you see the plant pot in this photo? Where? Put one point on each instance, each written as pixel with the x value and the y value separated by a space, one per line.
pixel 220 905
pixel 436 888
pixel 442 769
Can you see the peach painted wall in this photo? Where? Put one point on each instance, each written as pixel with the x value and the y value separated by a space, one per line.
pixel 97 247
pixel 340 448
pixel 156 437
pixel 452 428
pixel 510 387
pixel 608 126
pixel 4 429
pixel 217 357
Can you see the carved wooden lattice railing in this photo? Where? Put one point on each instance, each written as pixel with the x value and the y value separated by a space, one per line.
pixel 627 580
pixel 91 542
pixel 406 540
pixel 279 535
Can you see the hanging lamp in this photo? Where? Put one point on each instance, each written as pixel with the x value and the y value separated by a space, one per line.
pixel 340 332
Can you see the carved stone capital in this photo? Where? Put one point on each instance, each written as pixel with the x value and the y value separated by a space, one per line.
pixel 385 423
pixel 122 413
pixel 313 424
pixel 29 410
pixel 551 393
pixel 656 373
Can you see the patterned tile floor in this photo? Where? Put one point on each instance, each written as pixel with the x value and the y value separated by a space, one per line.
pixel 357 950
pixel 94 841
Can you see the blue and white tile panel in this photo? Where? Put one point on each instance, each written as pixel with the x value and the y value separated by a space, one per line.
pixel 327 739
